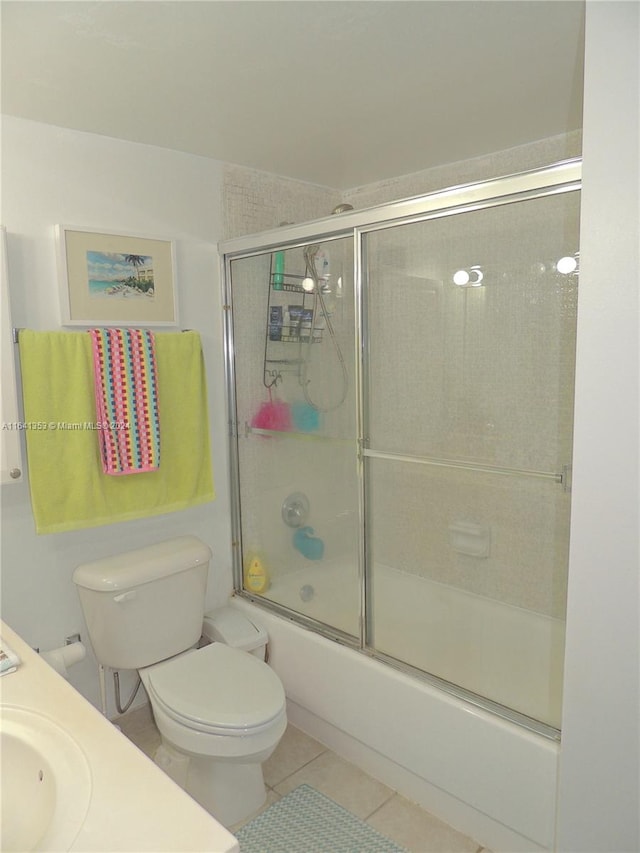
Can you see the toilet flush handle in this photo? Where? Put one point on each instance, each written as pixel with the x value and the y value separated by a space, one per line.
pixel 125 596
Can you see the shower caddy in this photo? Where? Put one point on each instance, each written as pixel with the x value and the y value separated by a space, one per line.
pixel 287 323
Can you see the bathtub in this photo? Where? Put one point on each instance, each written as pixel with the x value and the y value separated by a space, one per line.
pixel 485 775
pixel 511 655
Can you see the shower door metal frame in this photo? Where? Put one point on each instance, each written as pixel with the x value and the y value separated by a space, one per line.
pixel 561 177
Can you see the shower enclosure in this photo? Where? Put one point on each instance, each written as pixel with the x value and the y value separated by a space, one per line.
pixel 400 386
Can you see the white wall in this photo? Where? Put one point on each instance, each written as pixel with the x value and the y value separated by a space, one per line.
pixel 54 176
pixel 599 803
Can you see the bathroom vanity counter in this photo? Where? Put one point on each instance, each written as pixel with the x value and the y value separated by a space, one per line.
pixel 132 804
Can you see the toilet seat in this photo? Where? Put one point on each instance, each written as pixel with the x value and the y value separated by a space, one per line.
pixel 218 690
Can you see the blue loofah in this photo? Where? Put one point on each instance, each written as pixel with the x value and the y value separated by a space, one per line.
pixel 305 417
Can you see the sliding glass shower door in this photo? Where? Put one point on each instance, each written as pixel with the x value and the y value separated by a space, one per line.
pixel 298 525
pixel 470 342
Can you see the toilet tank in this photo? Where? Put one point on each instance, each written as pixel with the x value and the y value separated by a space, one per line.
pixel 145 605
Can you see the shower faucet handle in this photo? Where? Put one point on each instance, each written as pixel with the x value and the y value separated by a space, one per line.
pixel 295 509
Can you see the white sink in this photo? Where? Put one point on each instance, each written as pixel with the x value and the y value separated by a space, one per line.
pixel 45 782
pixel 71 782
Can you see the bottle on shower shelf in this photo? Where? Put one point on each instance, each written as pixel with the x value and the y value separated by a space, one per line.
pixel 278 270
pixel 256 576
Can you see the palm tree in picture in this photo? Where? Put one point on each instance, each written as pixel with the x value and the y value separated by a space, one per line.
pixel 136 262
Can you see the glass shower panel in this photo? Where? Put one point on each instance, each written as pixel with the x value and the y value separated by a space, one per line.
pixel 464 580
pixel 470 342
pixel 293 341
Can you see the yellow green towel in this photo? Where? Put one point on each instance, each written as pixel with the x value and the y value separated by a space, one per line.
pixel 69 490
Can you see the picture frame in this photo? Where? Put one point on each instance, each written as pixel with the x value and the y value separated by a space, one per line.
pixel 111 278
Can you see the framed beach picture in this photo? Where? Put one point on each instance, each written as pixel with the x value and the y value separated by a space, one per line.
pixel 112 279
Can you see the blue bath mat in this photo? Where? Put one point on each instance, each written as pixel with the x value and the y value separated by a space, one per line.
pixel 305 821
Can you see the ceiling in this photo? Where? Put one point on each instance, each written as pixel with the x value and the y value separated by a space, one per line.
pixel 331 92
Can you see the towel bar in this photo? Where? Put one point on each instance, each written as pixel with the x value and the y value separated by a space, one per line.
pixel 17 329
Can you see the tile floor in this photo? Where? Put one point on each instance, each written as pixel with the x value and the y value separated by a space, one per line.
pixel 300 759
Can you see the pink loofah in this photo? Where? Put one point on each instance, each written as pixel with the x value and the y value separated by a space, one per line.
pixel 274 415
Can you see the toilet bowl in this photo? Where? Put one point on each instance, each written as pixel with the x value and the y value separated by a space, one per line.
pixel 220 710
pixel 221 713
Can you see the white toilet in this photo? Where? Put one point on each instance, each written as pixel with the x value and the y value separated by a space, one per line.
pixel 220 711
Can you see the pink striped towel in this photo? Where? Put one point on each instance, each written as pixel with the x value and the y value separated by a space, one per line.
pixel 126 389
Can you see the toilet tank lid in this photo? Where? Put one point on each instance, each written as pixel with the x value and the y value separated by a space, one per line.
pixel 133 568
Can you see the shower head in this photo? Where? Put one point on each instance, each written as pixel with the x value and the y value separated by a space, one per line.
pixel 342 208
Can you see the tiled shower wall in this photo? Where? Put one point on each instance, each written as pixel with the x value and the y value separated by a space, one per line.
pixel 509 162
pixel 255 201
pixel 530 537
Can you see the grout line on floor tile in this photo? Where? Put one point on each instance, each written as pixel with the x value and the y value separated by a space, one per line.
pixel 377 808
pixel 279 796
pixel 298 769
